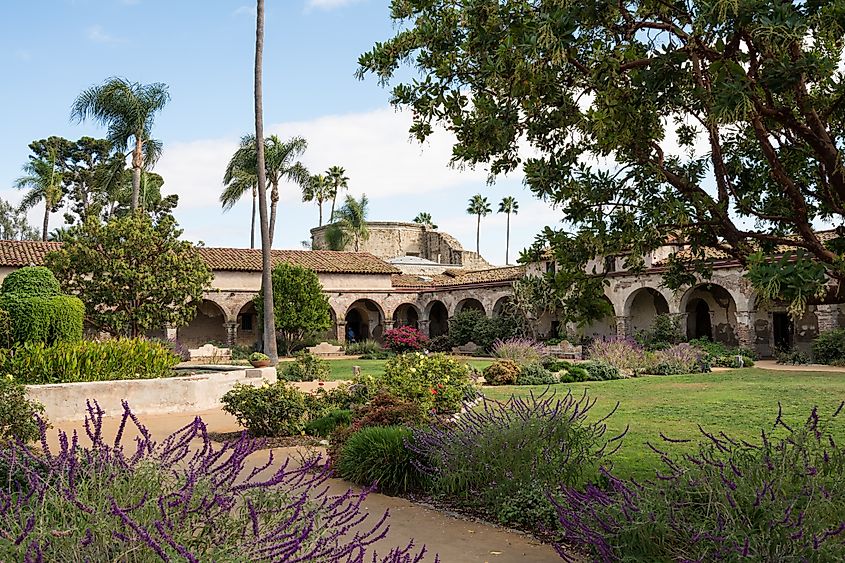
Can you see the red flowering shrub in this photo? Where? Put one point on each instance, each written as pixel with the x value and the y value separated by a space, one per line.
pixel 405 339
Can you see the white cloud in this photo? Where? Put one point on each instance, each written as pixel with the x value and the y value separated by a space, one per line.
pixel 245 10
pixel 328 4
pixel 97 34
pixel 23 55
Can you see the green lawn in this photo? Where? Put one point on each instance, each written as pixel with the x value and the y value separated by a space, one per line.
pixel 738 402
pixel 342 369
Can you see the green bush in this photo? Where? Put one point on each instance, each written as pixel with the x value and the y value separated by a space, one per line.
pixel 241 352
pixel 306 367
pixel 325 425
pixel 440 344
pixel 377 455
pixel 535 374
pixel 600 371
pixel 663 333
pixel 17 412
pixel 792 356
pixel 501 372
pixel 363 347
pixel 434 382
pixel 129 358
pixel 829 347
pixel 732 361
pixel 33 281
pixel 277 409
pixel 475 326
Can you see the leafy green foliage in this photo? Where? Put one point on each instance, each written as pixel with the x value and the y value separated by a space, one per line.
pixel 277 409
pixel 133 274
pixel 535 374
pixel 791 356
pixel 829 347
pixel 68 362
pixel 433 382
pixel 306 367
pixel 363 347
pixel 475 326
pixel 17 412
pixel 600 371
pixel 501 372
pixel 31 281
pixel 377 456
pixel 14 224
pixel 349 225
pixel 796 278
pixel 325 425
pixel 301 308
pixel 664 331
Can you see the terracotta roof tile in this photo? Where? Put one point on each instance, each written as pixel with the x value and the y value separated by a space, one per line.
pixel 26 253
pixel 459 277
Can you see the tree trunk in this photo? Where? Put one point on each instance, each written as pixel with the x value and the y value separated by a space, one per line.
pixel 334 199
pixel 320 205
pixel 252 223
pixel 478 236
pixel 46 218
pixel 274 201
pixel 266 241
pixel 508 240
pixel 137 164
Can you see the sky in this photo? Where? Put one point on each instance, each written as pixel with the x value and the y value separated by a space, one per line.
pixel 51 50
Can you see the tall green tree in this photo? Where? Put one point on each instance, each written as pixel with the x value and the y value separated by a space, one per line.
pixel 424 218
pixel 14 224
pixel 128 111
pixel 43 182
pixel 350 225
pixel 240 179
pixel 318 190
pixel 133 274
pixel 510 206
pixel 717 123
pixel 261 186
pixel 301 308
pixel 338 181
pixel 480 207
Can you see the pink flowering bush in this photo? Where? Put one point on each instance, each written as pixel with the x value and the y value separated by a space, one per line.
pixel 405 339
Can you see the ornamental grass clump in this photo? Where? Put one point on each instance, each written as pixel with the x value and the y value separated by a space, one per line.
pixel 675 360
pixel 501 459
pixel 623 353
pixel 779 499
pixel 183 499
pixel 523 351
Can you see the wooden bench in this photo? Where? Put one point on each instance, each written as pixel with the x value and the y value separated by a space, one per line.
pixel 468 349
pixel 564 350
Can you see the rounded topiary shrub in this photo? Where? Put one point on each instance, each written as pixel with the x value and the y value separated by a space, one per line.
pixel 37 310
pixel 502 372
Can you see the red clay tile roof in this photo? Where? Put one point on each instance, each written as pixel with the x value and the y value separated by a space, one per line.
pixel 26 253
pixel 459 277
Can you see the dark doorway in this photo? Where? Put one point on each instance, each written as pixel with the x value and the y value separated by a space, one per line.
pixel 438 320
pixel 782 330
pixel 703 328
pixel 355 322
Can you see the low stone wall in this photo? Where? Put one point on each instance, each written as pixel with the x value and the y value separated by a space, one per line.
pixel 200 392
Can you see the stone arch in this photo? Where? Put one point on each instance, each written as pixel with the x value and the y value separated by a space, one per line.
pixel 642 306
pixel 710 311
pixel 364 320
pixel 469 304
pixel 208 325
pixel 438 318
pixel 601 328
pixel 248 325
pixel 407 314
pixel 500 305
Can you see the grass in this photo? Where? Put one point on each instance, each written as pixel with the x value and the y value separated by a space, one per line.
pixel 738 402
pixel 342 369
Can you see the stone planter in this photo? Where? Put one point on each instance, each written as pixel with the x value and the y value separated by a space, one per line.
pixel 260 363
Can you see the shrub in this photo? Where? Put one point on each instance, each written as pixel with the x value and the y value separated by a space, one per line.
pixel 600 371
pixel 258 357
pixel 325 425
pixel 501 372
pixel 363 347
pixel 676 360
pixel 663 333
pixel 535 374
pixel 405 339
pixel 165 501
pixel 277 409
pixel 241 352
pixel 434 382
pixel 622 353
pixel 380 355
pixel 378 456
pixel 733 361
pixel 509 450
pixel 18 414
pixel 718 354
pixel 791 356
pixel 523 351
pixel 129 358
pixel 388 410
pixel 829 346
pixel 306 367
pixel 781 499
pixel 440 344
pixel 475 326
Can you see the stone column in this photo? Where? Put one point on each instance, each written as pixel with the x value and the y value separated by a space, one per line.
pixel 388 324
pixel 424 326
pixel 623 326
pixel 828 317
pixel 231 333
pixel 745 329
pixel 341 331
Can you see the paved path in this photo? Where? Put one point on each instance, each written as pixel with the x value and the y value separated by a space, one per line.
pixel 772 365
pixel 454 539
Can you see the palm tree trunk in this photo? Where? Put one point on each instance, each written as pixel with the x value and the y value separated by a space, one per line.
pixel 137 164
pixel 274 201
pixel 252 224
pixel 261 171
pixel 320 205
pixel 508 240
pixel 334 199
pixel 478 236
pixel 46 218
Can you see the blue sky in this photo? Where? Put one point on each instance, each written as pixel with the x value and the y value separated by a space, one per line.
pixel 52 49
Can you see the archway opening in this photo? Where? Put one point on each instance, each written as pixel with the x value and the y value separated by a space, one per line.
pixel 600 328
pixel 470 304
pixel 646 304
pixel 206 327
pixel 698 320
pixel 438 319
pixel 501 307
pixel 406 315
pixel 364 321
pixel 249 327
pixel 711 313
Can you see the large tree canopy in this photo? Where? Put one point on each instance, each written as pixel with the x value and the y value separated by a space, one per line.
pixel 716 122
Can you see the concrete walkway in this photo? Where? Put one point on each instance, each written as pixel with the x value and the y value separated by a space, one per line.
pixel 772 365
pixel 454 539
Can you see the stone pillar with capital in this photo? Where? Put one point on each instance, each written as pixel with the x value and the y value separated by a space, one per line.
pixel 424 326
pixel 623 326
pixel 828 317
pixel 231 333
pixel 341 331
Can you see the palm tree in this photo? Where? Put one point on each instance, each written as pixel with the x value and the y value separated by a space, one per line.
pixel 478 206
pixel 44 182
pixel 282 165
pixel 318 189
pixel 127 109
pixel 338 181
pixel 261 185
pixel 425 219
pixel 240 178
pixel 350 225
pixel 508 205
